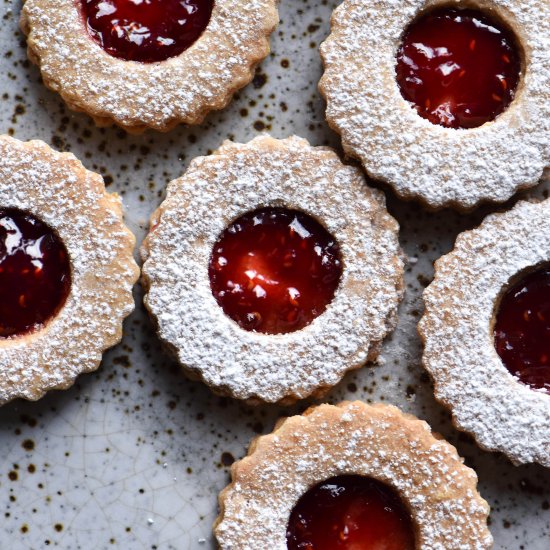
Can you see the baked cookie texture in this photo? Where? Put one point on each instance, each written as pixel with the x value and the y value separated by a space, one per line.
pixel 441 167
pixel 57 188
pixel 137 96
pixel 485 399
pixel 220 188
pixel 378 441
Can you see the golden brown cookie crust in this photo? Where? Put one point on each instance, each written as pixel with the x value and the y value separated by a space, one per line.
pixel 378 441
pixel 469 377
pixel 137 96
pixel 241 178
pixel 442 167
pixel 56 188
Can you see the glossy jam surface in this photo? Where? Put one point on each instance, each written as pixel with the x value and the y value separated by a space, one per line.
pixel 146 30
pixel 522 329
pixel 275 270
pixel 35 273
pixel 459 67
pixel 350 513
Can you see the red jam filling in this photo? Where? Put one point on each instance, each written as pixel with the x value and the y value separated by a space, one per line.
pixel 522 329
pixel 350 513
pixel 146 30
pixel 275 270
pixel 35 273
pixel 459 67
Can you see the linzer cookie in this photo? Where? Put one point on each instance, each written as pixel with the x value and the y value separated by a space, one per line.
pixel 271 269
pixel 352 476
pixel 148 64
pixel 445 103
pixel 486 331
pixel 66 269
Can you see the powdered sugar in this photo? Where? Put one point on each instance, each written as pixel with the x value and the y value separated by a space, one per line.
pixel 156 95
pixel 199 206
pixel 57 189
pixel 485 399
pixel 441 166
pixel 354 438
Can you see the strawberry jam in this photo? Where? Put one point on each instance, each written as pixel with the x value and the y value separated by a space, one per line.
pixel 350 513
pixel 275 270
pixel 35 273
pixel 459 67
pixel 146 30
pixel 522 329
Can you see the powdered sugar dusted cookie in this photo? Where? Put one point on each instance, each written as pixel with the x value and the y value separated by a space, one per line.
pixel 152 65
pixel 447 105
pixel 271 269
pixel 486 332
pixel 349 474
pixel 66 269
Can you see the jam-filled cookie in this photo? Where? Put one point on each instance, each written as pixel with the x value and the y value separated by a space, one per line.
pixel 486 331
pixel 149 64
pixel 271 269
pixel 352 476
pixel 66 269
pixel 446 102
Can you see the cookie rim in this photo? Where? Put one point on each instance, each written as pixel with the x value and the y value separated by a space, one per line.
pixel 476 297
pixel 381 433
pixel 301 372
pixel 57 189
pixel 229 65
pixel 459 169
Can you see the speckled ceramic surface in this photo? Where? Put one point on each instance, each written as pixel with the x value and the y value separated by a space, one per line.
pixel 134 455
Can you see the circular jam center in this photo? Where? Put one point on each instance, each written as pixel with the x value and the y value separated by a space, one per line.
pixel 35 273
pixel 350 513
pixel 522 329
pixel 459 67
pixel 146 30
pixel 275 270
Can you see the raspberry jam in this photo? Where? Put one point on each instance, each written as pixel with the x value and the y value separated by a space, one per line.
pixel 275 270
pixel 459 67
pixel 350 513
pixel 146 30
pixel 522 329
pixel 35 273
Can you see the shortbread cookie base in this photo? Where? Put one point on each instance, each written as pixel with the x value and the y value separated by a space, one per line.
pixel 214 192
pixel 137 96
pixel 377 441
pixel 485 399
pixel 441 167
pixel 72 200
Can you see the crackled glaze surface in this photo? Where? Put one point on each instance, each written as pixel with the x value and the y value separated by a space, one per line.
pixel 134 455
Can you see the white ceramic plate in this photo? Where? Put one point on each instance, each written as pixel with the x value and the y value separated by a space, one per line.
pixel 134 455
